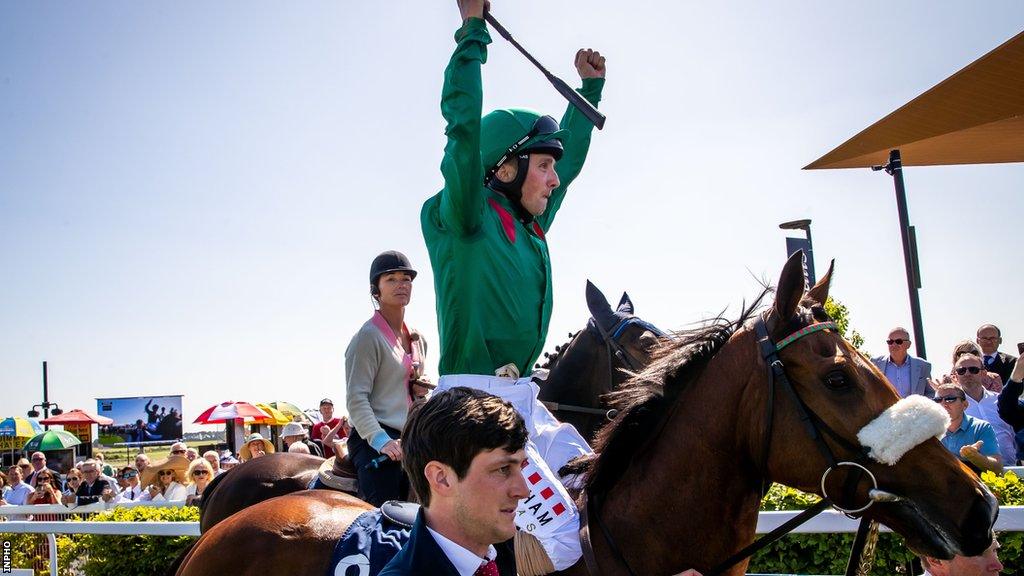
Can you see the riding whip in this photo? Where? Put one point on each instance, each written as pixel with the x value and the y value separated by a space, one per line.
pixel 574 98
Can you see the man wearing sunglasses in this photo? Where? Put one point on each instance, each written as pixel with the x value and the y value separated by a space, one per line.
pixel 973 440
pixel 132 489
pixel 982 404
pixel 95 485
pixel 907 373
pixel 505 177
pixel 39 466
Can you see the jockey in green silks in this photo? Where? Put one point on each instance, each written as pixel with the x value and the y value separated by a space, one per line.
pixel 486 230
pixel 505 176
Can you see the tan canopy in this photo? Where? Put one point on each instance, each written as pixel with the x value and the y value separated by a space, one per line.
pixel 975 116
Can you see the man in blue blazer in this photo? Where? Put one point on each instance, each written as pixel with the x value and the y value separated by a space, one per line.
pixel 463 451
pixel 908 374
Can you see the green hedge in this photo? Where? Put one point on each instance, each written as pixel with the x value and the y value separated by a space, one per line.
pixel 828 553
pixel 97 555
pixel 795 554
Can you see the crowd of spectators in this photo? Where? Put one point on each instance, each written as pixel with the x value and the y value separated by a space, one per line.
pixel 181 477
pixel 981 393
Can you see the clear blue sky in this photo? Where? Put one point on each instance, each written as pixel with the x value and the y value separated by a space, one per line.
pixel 191 192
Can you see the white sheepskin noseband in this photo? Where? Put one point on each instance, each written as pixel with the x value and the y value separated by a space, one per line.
pixel 902 426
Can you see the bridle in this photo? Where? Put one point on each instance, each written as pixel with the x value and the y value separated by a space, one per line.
pixel 616 352
pixel 815 427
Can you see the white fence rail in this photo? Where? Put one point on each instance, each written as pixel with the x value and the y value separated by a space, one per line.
pixel 1011 519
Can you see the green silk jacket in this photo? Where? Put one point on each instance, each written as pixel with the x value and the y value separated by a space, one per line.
pixel 492 272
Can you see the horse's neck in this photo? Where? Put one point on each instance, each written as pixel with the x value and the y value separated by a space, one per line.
pixel 575 379
pixel 695 482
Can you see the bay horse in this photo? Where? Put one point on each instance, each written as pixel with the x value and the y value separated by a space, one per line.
pixel 680 471
pixel 579 373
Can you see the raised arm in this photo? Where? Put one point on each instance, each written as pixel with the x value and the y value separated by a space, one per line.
pixel 461 105
pixel 590 65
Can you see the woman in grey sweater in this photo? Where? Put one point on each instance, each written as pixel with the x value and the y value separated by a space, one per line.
pixel 383 368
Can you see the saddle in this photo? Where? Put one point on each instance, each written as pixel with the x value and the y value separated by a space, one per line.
pixel 337 473
pixel 373 539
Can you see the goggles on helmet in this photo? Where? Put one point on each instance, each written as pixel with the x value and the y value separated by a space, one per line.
pixel 543 125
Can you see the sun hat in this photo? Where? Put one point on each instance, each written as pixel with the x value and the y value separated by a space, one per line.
pixel 246 454
pixel 176 463
pixel 293 429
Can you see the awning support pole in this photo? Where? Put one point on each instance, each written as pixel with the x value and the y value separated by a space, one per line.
pixel 895 169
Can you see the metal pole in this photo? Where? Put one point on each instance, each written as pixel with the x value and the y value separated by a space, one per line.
pixel 810 256
pixel 895 169
pixel 46 395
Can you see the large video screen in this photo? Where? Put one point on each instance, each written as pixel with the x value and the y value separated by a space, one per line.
pixel 143 418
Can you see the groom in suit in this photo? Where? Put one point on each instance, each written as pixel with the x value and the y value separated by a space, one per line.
pixel 463 451
pixel 908 374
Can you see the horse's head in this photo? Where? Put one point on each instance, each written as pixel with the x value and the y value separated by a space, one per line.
pixel 596 360
pixel 836 393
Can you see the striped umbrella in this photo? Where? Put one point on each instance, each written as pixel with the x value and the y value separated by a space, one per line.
pixel 275 417
pixel 292 411
pixel 229 411
pixel 19 427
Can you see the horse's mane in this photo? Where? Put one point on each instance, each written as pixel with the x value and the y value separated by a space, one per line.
pixel 644 400
pixel 551 358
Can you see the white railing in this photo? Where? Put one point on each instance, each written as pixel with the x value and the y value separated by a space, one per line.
pixel 1011 519
pixel 69 510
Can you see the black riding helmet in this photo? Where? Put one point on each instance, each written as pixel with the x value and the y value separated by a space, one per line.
pixel 390 261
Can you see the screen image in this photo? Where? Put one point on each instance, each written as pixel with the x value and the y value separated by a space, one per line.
pixel 142 419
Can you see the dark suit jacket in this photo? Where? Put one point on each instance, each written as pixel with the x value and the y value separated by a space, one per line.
pixel 57 483
pixel 1011 407
pixel 1002 365
pixel 87 494
pixel 920 372
pixel 422 555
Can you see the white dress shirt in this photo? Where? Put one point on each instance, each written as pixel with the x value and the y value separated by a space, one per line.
pixel 129 494
pixel 988 410
pixel 465 562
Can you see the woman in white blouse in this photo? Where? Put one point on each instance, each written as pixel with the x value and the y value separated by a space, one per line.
pixel 199 475
pixel 165 480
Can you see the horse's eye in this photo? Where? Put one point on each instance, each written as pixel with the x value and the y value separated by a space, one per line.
pixel 836 380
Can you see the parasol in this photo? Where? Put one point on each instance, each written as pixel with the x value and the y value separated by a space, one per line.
pixel 229 411
pixel 51 440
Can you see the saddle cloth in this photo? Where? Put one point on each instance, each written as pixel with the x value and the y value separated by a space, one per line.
pixel 373 539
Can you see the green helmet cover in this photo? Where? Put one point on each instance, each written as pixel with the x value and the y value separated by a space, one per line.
pixel 501 129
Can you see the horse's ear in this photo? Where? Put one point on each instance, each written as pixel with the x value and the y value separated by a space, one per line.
pixel 625 304
pixel 819 293
pixel 599 307
pixel 792 283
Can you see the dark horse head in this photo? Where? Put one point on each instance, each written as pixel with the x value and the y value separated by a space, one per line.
pixel 595 361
